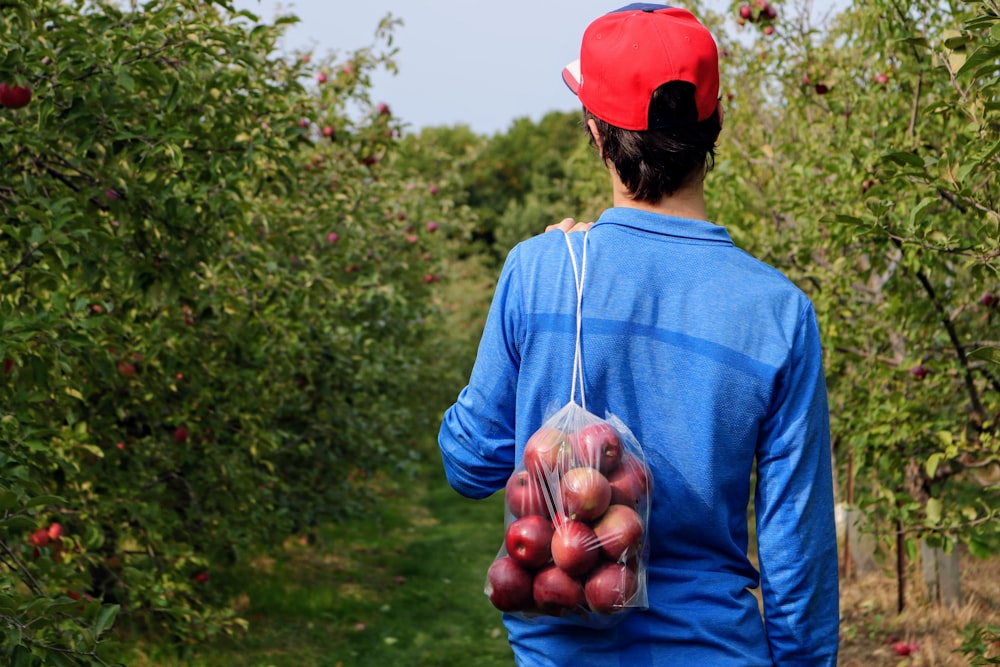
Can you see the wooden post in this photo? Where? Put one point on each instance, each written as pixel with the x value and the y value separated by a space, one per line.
pixel 848 557
pixel 942 575
pixel 900 566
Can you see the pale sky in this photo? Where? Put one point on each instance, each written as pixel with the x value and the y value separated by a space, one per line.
pixel 482 64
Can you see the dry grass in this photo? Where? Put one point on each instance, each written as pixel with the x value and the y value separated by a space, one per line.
pixel 870 625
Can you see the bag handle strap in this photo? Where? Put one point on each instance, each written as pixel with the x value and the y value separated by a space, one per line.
pixel 579 274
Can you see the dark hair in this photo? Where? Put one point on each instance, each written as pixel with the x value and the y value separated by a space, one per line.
pixel 657 162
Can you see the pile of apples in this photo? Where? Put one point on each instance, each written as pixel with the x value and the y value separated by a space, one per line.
pixel 577 511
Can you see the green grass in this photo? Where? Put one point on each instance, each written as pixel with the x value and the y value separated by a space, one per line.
pixel 399 589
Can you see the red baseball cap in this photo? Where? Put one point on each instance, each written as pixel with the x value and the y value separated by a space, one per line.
pixel 628 53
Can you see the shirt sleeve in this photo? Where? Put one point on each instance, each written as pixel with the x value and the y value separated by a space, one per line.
pixel 477 433
pixel 796 534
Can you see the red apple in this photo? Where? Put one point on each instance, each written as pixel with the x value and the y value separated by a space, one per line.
pixel 548 450
pixel 14 97
pixel 629 483
pixel 745 11
pixel 332 237
pixel 181 434
pixel 126 369
pixel 769 30
pixel 575 547
pixel 508 585
pixel 598 446
pixel 55 531
pixel 384 110
pixel 555 591
pixel 620 531
pixel 8 365
pixel 610 587
pixel 988 299
pixel 525 495
pixel 432 226
pixel 39 538
pixel 585 493
pixel 202 577
pixel 919 371
pixel 529 541
pixel 328 131
pixel 321 78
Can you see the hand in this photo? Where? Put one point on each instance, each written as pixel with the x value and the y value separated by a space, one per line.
pixel 570 225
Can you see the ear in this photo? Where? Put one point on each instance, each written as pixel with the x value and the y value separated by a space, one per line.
pixel 598 140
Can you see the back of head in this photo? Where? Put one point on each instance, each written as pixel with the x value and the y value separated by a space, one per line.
pixel 649 77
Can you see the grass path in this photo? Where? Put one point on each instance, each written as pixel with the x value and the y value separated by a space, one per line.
pixel 404 589
pixel 401 589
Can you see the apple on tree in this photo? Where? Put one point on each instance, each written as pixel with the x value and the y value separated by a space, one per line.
pixel 14 96
pixel 39 538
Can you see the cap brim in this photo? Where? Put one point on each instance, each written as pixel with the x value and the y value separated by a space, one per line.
pixel 571 76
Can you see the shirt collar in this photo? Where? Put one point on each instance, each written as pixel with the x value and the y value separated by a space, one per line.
pixel 665 225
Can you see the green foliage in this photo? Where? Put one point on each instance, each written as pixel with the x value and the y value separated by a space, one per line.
pixel 215 316
pixel 865 174
pixel 520 182
pixel 979 644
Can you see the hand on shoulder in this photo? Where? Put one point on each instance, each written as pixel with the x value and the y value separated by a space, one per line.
pixel 570 225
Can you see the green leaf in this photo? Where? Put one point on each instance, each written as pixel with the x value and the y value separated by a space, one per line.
pixel 920 42
pixel 957 42
pixel 933 510
pixel 21 656
pixel 18 522
pixel 44 500
pixel 8 499
pixel 919 211
pixel 982 55
pixel 904 158
pixel 990 354
pixel 911 549
pixel 932 462
pixel 105 618
pixel 979 548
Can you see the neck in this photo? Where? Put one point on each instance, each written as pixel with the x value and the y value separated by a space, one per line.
pixel 687 202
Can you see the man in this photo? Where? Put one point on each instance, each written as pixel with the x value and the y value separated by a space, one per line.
pixel 712 358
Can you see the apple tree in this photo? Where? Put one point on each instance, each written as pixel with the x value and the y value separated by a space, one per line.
pixel 859 156
pixel 218 300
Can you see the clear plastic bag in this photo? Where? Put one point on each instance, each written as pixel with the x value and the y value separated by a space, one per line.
pixel 576 517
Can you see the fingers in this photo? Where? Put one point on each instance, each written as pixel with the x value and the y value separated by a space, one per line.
pixel 563 225
pixel 570 225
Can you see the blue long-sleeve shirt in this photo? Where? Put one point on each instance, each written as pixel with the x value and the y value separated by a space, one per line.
pixel 713 360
